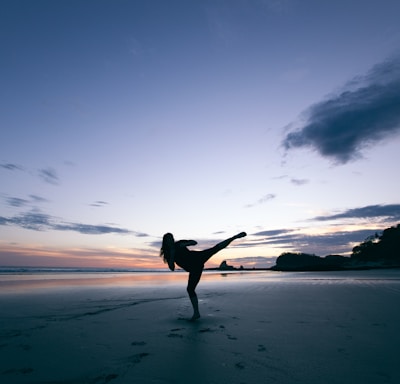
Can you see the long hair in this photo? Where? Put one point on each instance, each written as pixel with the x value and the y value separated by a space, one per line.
pixel 165 251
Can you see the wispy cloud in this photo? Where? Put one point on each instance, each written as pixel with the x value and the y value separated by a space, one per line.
pixel 16 202
pixel 390 211
pixel 11 167
pixel 273 232
pixel 139 234
pixel 49 175
pixel 31 220
pixel 39 221
pixel 38 199
pixel 299 182
pixel 363 114
pixel 88 229
pixel 264 199
pixel 20 202
pixel 98 203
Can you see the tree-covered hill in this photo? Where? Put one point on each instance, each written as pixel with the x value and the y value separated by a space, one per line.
pixel 383 249
pixel 374 252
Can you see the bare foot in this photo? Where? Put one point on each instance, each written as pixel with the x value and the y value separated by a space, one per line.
pixel 241 234
pixel 195 317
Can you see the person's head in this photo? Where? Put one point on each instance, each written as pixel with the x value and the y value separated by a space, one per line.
pixel 167 244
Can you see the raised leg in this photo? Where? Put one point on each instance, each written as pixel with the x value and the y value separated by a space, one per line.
pixel 225 243
pixel 208 253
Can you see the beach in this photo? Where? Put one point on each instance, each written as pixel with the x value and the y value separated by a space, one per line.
pixel 256 327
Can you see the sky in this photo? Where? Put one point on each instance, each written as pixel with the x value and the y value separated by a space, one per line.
pixel 123 120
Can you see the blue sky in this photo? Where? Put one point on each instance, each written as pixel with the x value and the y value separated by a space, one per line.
pixel 123 120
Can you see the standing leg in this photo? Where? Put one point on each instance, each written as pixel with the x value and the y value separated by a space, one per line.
pixel 194 278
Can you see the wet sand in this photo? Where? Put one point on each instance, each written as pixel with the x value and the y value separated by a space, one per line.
pixel 265 327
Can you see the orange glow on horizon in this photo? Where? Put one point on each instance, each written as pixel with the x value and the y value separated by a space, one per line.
pixel 33 256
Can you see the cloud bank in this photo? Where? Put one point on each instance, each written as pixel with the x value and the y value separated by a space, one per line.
pixel 364 113
pixel 389 211
pixel 38 221
pixel 323 244
pixel 331 242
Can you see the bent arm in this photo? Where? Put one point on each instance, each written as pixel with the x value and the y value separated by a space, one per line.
pixel 187 243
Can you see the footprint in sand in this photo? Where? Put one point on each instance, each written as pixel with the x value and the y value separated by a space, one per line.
pixel 136 359
pixel 239 365
pixel 261 348
pixel 25 347
pixel 138 343
pixel 23 371
pixel 105 378
pixel 175 335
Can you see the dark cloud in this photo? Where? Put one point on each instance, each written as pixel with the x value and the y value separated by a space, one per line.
pixel 41 222
pixel 263 200
pixel 366 112
pixel 390 211
pixel 49 175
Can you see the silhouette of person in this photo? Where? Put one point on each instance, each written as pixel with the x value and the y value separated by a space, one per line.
pixel 176 252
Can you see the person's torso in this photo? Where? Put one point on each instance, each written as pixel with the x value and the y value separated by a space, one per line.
pixel 182 256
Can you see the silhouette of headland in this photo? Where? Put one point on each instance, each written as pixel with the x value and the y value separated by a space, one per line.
pixel 375 252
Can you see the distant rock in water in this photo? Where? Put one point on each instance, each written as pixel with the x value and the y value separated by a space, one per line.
pixel 225 267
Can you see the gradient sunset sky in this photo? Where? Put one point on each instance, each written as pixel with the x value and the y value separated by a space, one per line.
pixel 123 120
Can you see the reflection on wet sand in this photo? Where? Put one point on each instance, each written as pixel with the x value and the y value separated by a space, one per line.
pixel 23 283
